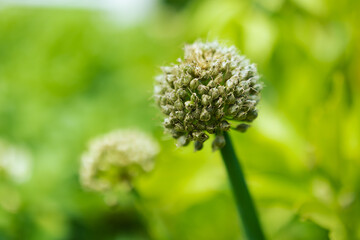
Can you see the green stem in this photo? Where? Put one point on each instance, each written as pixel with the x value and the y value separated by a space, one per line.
pixel 160 230
pixel 243 199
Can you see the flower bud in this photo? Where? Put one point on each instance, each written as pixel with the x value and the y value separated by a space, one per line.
pixel 211 128
pixel 205 115
pixel 205 100
pixel 196 113
pixel 180 114
pixel 182 93
pixel 211 84
pixel 214 93
pixel 230 98
pixel 177 84
pixel 167 109
pixel 224 126
pixel 241 116
pixel 186 80
pixel 168 123
pixel 179 104
pixel 170 78
pixel 218 143
pixel 172 96
pixel 230 84
pixel 233 110
pixel 183 141
pixel 200 136
pixel 194 98
pixel 251 115
pixel 219 79
pixel 242 127
pixel 219 114
pixel 189 105
pixel 222 91
pixel 219 103
pixel 194 84
pixel 202 89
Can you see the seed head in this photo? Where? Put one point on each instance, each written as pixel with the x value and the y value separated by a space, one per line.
pixel 212 86
pixel 113 160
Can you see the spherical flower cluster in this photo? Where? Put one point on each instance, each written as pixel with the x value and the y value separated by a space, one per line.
pixel 205 91
pixel 113 160
pixel 15 163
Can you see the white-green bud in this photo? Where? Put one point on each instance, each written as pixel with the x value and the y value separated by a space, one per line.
pixel 180 114
pixel 231 98
pixel 168 123
pixel 222 90
pixel 202 89
pixel 182 93
pixel 194 84
pixel 205 115
pixel 194 98
pixel 210 85
pixel 183 141
pixel 189 105
pixel 205 100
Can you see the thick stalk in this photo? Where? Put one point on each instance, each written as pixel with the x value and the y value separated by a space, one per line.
pixel 150 214
pixel 245 205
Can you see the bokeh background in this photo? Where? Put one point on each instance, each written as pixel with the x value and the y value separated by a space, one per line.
pixel 71 70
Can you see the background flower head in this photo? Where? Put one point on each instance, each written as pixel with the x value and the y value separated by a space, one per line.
pixel 114 159
pixel 15 162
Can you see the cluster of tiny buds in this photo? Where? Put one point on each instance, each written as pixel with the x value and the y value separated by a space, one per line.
pixel 211 87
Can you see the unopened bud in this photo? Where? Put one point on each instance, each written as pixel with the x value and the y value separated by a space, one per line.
pixel 205 115
pixel 200 136
pixel 202 89
pixel 205 100
pixel 218 143
pixel 251 115
pixel 242 127
pixel 183 141
pixel 189 105
pixel 224 125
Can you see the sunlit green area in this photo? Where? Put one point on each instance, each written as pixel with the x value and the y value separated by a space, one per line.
pixel 68 75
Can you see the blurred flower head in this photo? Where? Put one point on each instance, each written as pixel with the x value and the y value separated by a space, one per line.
pixel 211 86
pixel 114 159
pixel 15 163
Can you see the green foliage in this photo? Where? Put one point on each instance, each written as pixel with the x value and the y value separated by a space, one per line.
pixel 69 75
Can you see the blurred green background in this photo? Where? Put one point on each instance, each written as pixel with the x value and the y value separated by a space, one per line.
pixel 70 73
